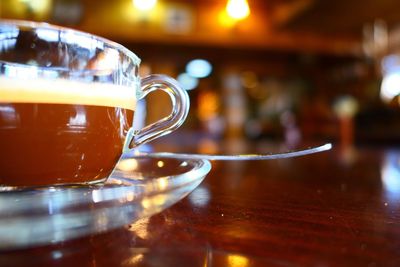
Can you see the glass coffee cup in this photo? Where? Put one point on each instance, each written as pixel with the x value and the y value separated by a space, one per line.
pixel 67 103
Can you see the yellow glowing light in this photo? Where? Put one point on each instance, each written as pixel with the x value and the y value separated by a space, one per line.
pixel 144 5
pixel 225 20
pixel 238 9
pixel 237 261
pixel 136 12
pixel 160 164
pixel 162 183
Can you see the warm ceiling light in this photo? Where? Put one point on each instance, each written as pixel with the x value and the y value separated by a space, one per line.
pixel 144 5
pixel 238 9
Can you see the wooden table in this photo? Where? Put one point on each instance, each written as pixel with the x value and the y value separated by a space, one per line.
pixel 338 208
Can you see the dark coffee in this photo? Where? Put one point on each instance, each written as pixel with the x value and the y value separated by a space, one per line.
pixel 59 143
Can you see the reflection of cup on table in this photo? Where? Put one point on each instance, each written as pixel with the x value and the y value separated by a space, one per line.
pixel 67 101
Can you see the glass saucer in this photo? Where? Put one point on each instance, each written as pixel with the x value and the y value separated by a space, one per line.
pixel 138 187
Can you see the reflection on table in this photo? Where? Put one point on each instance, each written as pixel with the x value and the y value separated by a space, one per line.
pixel 335 208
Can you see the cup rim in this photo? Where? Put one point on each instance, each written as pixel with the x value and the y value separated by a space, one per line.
pixel 44 25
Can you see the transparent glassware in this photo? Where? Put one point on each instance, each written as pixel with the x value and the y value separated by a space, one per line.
pixel 137 188
pixel 67 101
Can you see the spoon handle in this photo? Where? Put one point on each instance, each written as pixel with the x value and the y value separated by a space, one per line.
pixel 284 155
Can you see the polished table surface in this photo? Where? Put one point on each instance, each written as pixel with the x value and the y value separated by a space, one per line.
pixel 337 208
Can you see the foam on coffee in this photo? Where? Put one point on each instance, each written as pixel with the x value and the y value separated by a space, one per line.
pixel 59 91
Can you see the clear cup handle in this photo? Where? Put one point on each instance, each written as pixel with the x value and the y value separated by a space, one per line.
pixel 180 109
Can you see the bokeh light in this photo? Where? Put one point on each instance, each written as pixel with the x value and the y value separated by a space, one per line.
pixel 199 68
pixel 238 9
pixel 144 5
pixel 390 87
pixel 187 82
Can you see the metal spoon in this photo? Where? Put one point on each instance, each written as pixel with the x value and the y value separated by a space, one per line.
pixel 284 155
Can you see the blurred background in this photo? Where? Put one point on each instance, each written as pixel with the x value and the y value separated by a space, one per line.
pixel 286 71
